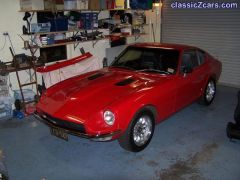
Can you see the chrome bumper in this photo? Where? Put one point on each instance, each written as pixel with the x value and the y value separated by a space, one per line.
pixel 100 137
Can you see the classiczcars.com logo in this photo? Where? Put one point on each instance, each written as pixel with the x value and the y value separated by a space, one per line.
pixel 203 5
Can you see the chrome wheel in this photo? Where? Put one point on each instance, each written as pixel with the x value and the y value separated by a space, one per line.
pixel 142 130
pixel 210 91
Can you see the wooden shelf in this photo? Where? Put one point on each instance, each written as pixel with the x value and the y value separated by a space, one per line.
pixel 132 35
pixel 75 42
pixel 55 32
pixel 61 32
pixel 57 10
pixel 66 43
pixel 62 10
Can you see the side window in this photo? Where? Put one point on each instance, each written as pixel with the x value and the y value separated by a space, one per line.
pixel 201 56
pixel 190 59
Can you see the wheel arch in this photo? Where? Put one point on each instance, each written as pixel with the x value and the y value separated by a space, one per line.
pixel 150 108
pixel 132 115
pixel 213 77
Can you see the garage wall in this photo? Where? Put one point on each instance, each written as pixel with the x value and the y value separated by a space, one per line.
pixel 11 22
pixel 152 17
pixel 214 30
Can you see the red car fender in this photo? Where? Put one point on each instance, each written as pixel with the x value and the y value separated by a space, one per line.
pixel 126 120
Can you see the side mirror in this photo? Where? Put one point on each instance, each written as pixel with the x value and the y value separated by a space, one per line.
pixel 105 62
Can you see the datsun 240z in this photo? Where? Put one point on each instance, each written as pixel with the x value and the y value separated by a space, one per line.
pixel 144 85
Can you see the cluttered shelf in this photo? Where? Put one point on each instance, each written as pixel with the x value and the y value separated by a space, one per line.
pixel 76 42
pixel 60 32
pixel 68 43
pixel 62 10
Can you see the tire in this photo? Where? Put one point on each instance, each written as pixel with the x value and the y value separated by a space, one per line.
pixel 142 125
pixel 209 93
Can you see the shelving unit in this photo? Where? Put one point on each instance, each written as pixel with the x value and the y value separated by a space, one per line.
pixel 76 31
pixel 67 43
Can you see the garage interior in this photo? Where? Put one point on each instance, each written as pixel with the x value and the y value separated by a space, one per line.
pixel 191 144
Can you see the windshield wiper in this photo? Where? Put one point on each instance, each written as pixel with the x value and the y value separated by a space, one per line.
pixel 154 71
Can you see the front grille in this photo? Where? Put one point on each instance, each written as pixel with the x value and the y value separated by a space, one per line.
pixel 64 124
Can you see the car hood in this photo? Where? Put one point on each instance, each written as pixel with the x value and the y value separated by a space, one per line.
pixel 85 94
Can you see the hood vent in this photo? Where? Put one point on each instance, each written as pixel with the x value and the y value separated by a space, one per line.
pixel 95 76
pixel 125 82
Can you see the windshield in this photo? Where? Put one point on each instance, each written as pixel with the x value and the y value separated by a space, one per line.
pixel 154 60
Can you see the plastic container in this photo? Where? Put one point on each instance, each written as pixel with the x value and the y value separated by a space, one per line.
pixel 40 27
pixel 4 90
pixel 82 4
pixel 59 24
pixel 31 4
pixel 5 107
pixel 28 94
pixel 6 114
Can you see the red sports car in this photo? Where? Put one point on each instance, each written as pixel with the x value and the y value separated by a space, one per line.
pixel 145 84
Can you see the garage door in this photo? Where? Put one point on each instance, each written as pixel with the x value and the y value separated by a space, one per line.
pixel 214 30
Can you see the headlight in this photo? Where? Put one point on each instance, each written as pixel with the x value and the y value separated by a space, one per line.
pixel 109 117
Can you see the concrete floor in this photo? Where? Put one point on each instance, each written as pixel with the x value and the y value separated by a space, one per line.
pixel 190 145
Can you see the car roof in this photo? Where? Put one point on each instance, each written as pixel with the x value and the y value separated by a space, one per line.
pixel 163 45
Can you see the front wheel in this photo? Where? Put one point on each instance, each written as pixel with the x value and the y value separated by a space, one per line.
pixel 139 133
pixel 209 93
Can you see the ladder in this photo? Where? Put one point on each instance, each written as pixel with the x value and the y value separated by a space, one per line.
pixel 31 66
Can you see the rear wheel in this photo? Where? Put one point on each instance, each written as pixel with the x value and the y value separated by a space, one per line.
pixel 209 93
pixel 139 133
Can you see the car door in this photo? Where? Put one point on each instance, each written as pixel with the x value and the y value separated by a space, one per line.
pixel 189 79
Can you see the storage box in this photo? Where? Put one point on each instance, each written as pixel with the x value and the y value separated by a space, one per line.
pixel 59 24
pixel 5 107
pixel 119 4
pixel 140 4
pixel 32 4
pixel 82 4
pixel 59 4
pixel 6 114
pixel 94 4
pixel 40 27
pixel 49 5
pixel 28 94
pixel 70 4
pixel 4 90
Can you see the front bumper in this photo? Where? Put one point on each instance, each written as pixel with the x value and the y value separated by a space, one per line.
pixel 75 129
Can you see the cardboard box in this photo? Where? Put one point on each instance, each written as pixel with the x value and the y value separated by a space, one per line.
pixel 49 5
pixel 94 4
pixel 119 4
pixel 82 4
pixel 31 5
